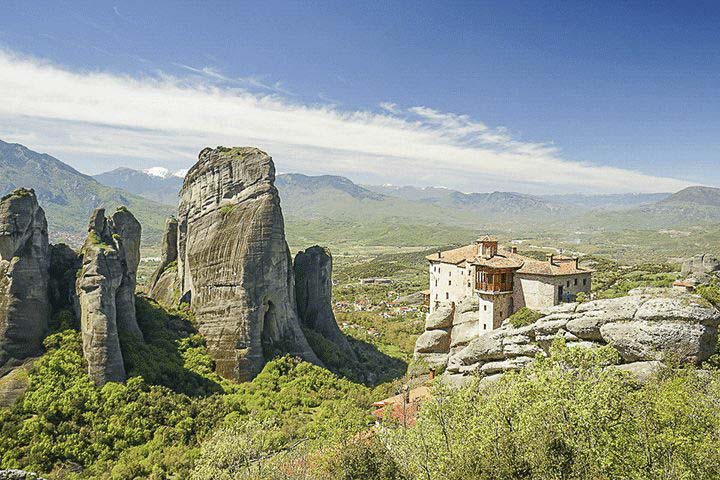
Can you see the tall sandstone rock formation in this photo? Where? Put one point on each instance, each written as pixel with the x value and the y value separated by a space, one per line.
pixel 164 283
pixel 105 289
pixel 24 266
pixel 234 264
pixel 313 292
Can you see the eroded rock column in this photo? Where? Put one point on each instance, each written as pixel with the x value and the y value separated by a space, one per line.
pixel 234 264
pixel 105 290
pixel 313 292
pixel 24 265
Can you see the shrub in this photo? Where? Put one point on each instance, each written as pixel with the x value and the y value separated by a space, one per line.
pixel 523 317
pixel 710 292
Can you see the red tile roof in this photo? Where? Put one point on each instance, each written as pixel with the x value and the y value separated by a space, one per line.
pixel 560 265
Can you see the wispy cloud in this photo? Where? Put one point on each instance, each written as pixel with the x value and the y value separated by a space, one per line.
pixel 250 82
pixel 166 119
pixel 390 107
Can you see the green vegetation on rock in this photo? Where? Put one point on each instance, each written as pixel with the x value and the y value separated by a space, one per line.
pixel 523 317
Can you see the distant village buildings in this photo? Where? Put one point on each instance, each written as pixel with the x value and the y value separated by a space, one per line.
pixel 503 281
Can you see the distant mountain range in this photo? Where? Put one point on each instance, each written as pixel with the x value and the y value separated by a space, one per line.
pixel 68 196
pixel 328 206
pixel 338 199
pixel 157 184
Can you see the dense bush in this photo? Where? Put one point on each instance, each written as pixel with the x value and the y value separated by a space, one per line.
pixel 153 425
pixel 568 417
pixel 523 317
pixel 710 292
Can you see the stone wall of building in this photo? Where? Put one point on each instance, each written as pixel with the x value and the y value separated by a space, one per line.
pixel 493 309
pixel 540 292
pixel 449 283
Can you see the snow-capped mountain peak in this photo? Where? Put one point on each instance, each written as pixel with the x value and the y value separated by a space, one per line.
pixel 161 172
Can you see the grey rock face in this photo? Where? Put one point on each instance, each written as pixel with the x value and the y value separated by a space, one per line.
pixel 234 264
pixel 647 340
pixel 701 266
pixel 590 316
pixel 165 282
pixel 14 384
pixel 103 288
pixel 13 474
pixel 126 232
pixel 488 347
pixel 650 325
pixel 313 293
pixel 641 371
pixel 433 341
pixel 64 264
pixel 24 267
pixel 441 318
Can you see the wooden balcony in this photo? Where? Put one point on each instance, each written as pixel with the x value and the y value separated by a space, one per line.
pixel 494 287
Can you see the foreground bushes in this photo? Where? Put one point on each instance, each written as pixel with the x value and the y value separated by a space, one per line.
pixel 568 417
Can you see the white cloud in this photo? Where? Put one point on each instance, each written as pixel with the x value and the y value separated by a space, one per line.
pixel 83 117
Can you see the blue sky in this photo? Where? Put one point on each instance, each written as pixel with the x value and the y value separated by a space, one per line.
pixel 479 96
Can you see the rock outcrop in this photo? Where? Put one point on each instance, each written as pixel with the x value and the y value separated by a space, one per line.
pixel 647 327
pixel 164 283
pixel 105 290
pixel 24 267
pixel 64 265
pixel 701 267
pixel 234 265
pixel 313 293
pixel 13 474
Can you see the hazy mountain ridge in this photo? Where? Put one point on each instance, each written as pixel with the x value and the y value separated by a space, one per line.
pixel 68 196
pixel 159 188
pixel 316 205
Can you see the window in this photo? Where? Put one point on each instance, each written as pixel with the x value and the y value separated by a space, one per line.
pixel 436 283
pixel 568 283
pixel 436 296
pixel 485 307
pixel 501 314
pixel 468 284
pixel 449 282
pixel 584 281
pixel 576 281
pixel 484 326
pixel 447 296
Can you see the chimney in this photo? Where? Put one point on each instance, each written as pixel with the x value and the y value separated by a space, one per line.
pixel 513 249
pixel 577 263
pixel 431 374
pixel 550 257
pixel 439 254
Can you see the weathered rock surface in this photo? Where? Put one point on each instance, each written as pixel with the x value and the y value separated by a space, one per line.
pixel 13 474
pixel 441 318
pixel 14 384
pixel 701 267
pixel 24 272
pixel 64 264
pixel 234 264
pixel 641 371
pixel 313 293
pixel 433 341
pixel 648 340
pixel 649 325
pixel 126 231
pixel 109 264
pixel 164 283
